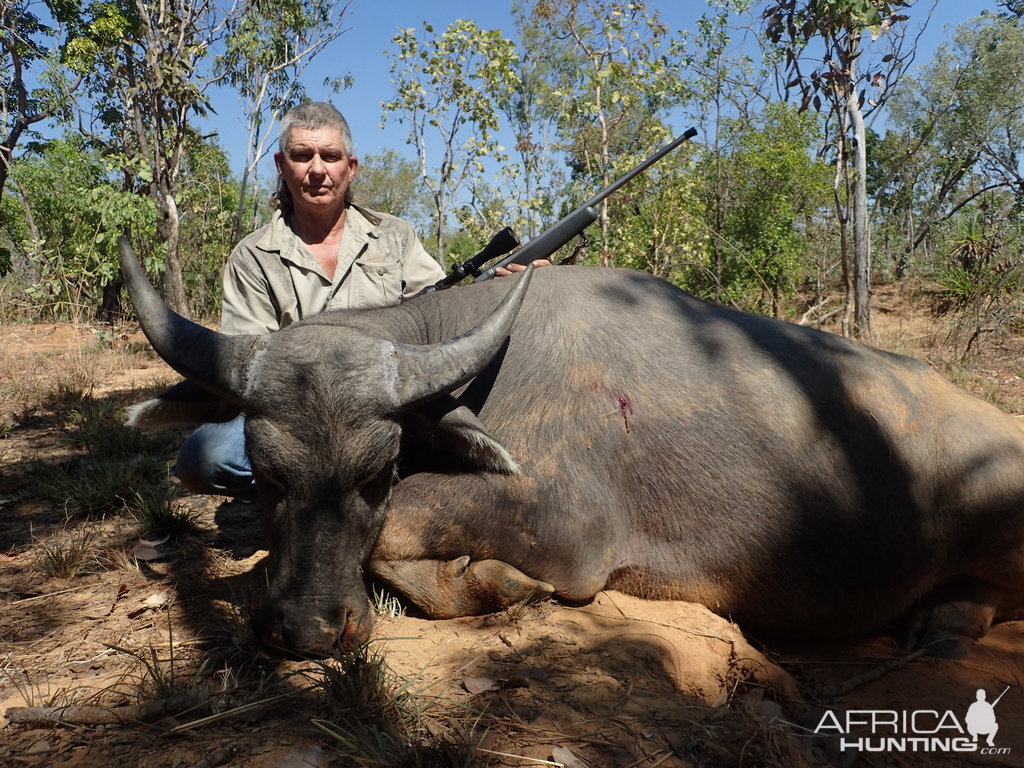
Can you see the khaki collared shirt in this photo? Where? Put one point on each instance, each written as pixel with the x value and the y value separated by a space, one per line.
pixel 271 280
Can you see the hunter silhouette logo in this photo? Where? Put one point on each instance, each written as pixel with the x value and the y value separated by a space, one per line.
pixel 981 717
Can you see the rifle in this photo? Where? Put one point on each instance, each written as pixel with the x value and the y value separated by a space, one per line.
pixel 552 239
pixel 500 244
pixel 565 230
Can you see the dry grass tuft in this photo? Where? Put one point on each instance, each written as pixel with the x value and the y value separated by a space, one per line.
pixel 377 719
pixel 71 553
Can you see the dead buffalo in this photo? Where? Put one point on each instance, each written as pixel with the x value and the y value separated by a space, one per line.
pixel 615 433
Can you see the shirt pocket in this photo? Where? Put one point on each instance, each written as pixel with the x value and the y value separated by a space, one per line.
pixel 381 285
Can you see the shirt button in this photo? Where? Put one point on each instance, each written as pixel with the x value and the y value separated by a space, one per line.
pixel 380 271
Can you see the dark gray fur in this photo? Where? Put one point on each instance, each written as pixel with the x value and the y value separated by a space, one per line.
pixel 633 437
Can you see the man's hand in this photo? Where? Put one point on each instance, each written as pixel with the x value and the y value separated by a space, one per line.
pixel 503 271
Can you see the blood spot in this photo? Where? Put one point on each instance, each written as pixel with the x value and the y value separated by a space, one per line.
pixel 626 408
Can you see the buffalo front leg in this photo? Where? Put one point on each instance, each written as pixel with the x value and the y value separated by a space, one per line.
pixel 446 589
pixel 472 543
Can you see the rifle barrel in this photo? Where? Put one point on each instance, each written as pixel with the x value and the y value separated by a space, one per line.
pixel 618 184
pixel 1000 696
pixel 545 244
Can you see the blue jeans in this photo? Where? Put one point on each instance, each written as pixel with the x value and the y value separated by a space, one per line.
pixel 212 460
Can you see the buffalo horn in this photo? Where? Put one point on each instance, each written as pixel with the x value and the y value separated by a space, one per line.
pixel 212 360
pixel 426 372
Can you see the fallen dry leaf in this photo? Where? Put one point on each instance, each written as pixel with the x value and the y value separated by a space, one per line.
pixel 100 612
pixel 146 553
pixel 156 600
pixel 477 685
pixel 565 756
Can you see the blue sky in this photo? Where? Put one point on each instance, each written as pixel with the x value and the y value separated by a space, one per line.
pixel 370 26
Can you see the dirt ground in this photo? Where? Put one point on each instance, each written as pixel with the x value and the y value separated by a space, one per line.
pixel 145 658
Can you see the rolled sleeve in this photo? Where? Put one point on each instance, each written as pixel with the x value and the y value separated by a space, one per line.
pixel 419 269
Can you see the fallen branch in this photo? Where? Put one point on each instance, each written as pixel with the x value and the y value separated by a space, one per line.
pixel 813 309
pixel 229 713
pixel 841 689
pixel 91 714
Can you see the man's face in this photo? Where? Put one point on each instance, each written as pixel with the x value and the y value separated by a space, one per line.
pixel 315 169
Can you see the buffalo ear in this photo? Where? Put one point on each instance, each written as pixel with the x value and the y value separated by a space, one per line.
pixel 184 403
pixel 444 436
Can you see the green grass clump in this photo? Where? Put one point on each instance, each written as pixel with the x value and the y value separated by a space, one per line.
pixel 97 428
pixel 115 469
pixel 91 488
pixel 69 555
pixel 377 719
pixel 159 513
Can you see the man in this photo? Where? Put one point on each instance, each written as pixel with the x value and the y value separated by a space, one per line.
pixel 320 251
pixel 981 718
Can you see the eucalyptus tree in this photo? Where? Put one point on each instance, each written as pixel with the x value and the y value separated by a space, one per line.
pixel 390 182
pixel 960 123
pixel 445 86
pixel 620 72
pixel 148 93
pixel 269 45
pixel 729 91
pixel 836 51
pixel 533 181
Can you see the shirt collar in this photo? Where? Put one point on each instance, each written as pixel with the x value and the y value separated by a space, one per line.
pixel 360 226
pixel 278 237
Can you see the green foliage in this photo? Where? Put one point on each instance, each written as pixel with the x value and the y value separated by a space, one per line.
pixel 980 278
pixel 391 183
pixel 159 513
pixel 445 86
pixel 979 269
pixel 91 488
pixel 68 205
pixel 974 246
pixel 618 73
pixel 117 469
pixel 657 221
pixel 69 554
pixel 40 45
pixel 208 200
pixel 961 121
pixel 776 188
pixel 96 427
pixel 76 213
pixel 587 90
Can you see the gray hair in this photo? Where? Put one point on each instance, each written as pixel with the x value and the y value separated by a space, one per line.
pixel 313 115
pixel 310 116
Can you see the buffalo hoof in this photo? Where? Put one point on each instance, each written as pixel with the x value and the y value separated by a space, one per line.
pixel 942 645
pixel 505 584
pixel 448 589
pixel 950 627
